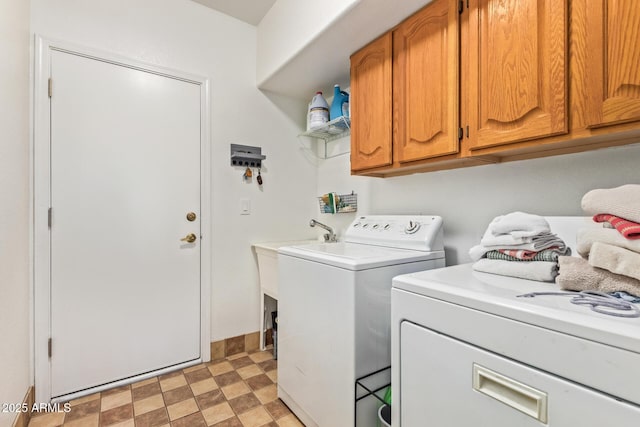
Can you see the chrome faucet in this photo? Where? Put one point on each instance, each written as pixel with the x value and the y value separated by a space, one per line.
pixel 329 237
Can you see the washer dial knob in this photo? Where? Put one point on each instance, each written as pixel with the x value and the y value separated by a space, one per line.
pixel 412 227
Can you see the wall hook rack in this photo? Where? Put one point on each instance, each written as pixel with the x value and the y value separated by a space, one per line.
pixel 246 155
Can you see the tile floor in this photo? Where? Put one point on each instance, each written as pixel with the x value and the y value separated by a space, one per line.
pixel 237 391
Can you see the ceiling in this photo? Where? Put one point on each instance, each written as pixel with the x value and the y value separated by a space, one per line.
pixel 249 11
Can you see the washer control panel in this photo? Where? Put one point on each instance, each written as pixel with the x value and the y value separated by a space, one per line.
pixel 409 228
pixel 417 232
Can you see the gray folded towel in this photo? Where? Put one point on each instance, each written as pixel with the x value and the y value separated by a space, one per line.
pixel 506 241
pixel 615 259
pixel 543 255
pixel 502 240
pixel 577 275
pixel 542 271
pixel 623 201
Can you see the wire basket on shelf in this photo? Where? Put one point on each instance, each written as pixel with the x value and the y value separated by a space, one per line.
pixel 336 128
pixel 338 203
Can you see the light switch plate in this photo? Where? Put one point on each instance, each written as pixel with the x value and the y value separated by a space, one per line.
pixel 245 207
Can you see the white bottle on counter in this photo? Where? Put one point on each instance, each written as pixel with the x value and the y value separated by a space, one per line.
pixel 318 112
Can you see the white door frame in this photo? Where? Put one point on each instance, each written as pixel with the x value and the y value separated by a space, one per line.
pixel 41 191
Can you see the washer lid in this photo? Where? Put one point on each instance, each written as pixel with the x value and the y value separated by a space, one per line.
pixel 356 256
pixel 498 295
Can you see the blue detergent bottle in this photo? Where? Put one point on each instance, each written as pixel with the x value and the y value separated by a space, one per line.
pixel 340 103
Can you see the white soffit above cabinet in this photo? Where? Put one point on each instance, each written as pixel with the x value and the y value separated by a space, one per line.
pixel 298 59
pixel 249 11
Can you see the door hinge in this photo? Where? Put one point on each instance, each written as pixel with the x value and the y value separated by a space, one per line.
pixel 49 348
pixel 460 133
pixel 49 217
pixel 50 87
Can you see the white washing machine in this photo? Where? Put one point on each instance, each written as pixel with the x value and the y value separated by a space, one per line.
pixel 334 312
pixel 467 351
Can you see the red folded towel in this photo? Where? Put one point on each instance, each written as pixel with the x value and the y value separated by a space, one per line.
pixel 629 229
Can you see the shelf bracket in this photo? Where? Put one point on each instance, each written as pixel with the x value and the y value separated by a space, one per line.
pixel 330 131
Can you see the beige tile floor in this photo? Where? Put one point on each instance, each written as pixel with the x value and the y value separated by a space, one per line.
pixel 237 391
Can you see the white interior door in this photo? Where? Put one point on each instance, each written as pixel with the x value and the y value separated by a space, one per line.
pixel 125 171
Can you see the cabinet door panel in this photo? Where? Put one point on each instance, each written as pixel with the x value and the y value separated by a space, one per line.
pixel 613 52
pixel 517 70
pixel 425 88
pixel 371 105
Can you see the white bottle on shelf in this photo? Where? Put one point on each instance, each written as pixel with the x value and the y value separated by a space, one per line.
pixel 318 112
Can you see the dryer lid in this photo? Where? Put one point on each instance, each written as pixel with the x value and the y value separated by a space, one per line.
pixel 498 295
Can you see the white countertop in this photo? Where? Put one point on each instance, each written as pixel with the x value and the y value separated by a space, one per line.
pixel 274 246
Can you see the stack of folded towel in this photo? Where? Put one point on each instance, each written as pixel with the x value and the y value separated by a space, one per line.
pixel 611 256
pixel 519 245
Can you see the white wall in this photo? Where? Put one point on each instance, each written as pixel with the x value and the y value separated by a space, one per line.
pixel 469 198
pixel 304 46
pixel 187 36
pixel 289 26
pixel 14 205
pixel 333 176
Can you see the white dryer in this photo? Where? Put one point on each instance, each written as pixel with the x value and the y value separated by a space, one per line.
pixel 334 312
pixel 466 350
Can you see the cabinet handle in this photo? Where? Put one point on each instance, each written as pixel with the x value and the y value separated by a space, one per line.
pixel 521 397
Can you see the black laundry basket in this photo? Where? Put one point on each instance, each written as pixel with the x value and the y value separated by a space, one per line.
pixel 274 323
pixel 384 415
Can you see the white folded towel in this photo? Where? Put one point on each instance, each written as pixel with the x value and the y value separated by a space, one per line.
pixel 588 236
pixel 519 224
pixel 615 259
pixel 542 271
pixel 623 201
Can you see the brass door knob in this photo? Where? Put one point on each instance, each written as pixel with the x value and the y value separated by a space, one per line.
pixel 189 238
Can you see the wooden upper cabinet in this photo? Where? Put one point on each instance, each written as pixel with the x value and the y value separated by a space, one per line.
pixel 371 105
pixel 425 83
pixel 613 61
pixel 517 78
